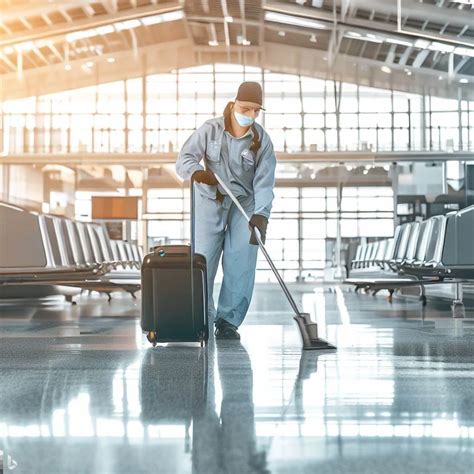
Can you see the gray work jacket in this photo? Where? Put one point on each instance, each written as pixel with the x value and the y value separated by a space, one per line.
pixel 244 172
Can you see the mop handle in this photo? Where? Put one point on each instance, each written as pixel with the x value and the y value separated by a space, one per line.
pixel 262 247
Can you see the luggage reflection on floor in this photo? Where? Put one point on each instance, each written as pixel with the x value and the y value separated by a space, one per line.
pixel 177 386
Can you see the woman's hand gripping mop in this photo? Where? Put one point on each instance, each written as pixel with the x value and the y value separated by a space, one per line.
pixel 308 328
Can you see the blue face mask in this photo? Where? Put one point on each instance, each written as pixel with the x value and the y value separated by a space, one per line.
pixel 243 120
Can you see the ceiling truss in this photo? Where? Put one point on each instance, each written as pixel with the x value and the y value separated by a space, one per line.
pixel 331 36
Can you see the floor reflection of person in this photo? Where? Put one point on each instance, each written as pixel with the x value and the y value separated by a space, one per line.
pixel 228 444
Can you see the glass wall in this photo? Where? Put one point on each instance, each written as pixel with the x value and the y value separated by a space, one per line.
pixel 304 222
pixel 305 217
pixel 158 112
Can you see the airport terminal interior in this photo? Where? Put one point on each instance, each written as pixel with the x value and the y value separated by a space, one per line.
pixel 356 350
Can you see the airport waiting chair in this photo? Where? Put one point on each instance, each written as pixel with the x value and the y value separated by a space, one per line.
pixel 438 250
pixel 457 256
pixel 32 250
pixel 60 255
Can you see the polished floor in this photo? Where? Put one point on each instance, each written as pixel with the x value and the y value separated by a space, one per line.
pixel 81 391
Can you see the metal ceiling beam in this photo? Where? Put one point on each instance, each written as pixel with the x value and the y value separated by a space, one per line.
pixel 65 14
pixel 112 7
pixel 54 78
pixel 46 19
pixel 420 58
pixel 362 71
pixel 420 11
pixel 404 57
pixel 25 23
pixel 460 65
pixel 59 31
pixel 352 23
pixel 8 63
pixel 295 30
pixel 274 56
pixel 37 9
pixel 219 19
pixel 40 55
pixel 232 48
pixel 5 28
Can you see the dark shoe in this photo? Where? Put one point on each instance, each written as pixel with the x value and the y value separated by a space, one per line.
pixel 225 330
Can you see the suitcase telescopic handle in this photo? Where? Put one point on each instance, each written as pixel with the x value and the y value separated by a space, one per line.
pixel 191 214
pixel 191 250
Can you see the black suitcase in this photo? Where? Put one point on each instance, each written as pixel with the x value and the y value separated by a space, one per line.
pixel 174 306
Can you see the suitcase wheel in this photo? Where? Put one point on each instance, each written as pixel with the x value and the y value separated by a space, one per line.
pixel 151 336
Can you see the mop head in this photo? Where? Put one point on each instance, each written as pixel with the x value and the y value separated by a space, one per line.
pixel 309 334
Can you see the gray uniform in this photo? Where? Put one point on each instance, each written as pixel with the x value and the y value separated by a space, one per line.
pixel 221 227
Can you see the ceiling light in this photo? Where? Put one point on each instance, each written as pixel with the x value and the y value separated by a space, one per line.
pixel 370 37
pixel 68 67
pixel 242 41
pixel 463 80
pixel 464 51
pixel 127 25
pixel 440 78
pixel 105 30
pixel 213 43
pixel 110 60
pixel 163 18
pixel 90 63
pixel 386 69
pixel 26 46
pixel 409 73
pixel 442 47
pixel 228 19
pixel 78 35
pixel 421 43
pixel 313 39
pixel 373 38
pixel 281 33
pixel 294 20
pixel 398 41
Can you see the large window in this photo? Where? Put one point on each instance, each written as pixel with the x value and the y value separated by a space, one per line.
pixel 303 220
pixel 158 112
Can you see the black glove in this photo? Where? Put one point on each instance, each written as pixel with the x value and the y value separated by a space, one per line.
pixel 260 222
pixel 206 177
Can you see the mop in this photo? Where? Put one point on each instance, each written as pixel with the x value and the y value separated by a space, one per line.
pixel 308 328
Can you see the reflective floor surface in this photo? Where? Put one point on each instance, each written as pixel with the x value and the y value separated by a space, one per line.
pixel 81 391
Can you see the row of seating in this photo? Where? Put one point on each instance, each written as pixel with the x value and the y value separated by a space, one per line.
pixel 439 249
pixel 39 248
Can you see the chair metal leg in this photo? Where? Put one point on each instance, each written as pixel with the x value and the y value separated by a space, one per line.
pixel 458 310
